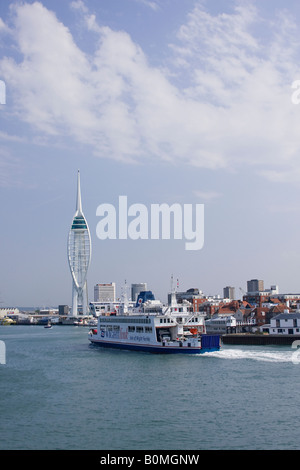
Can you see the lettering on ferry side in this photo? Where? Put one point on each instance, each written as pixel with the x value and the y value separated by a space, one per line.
pixel 164 222
pixel 123 334
pixel 138 338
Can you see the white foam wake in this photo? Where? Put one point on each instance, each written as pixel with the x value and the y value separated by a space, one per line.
pixel 256 355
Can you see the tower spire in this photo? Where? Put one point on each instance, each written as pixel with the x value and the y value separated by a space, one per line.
pixel 79 256
pixel 78 203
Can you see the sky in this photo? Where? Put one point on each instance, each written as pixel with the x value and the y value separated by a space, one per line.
pixel 162 101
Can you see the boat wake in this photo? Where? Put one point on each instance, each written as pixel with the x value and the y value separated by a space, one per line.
pixel 255 355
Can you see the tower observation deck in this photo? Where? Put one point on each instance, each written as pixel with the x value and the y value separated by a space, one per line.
pixel 79 256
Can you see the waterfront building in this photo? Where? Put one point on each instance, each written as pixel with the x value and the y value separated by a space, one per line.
pixel 284 323
pixel 136 289
pixel 79 257
pixel 105 292
pixel 223 324
pixel 4 311
pixel 63 310
pixel 48 311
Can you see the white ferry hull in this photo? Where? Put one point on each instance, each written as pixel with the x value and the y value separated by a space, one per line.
pixel 157 348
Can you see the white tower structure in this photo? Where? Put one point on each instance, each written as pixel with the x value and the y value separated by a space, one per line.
pixel 79 256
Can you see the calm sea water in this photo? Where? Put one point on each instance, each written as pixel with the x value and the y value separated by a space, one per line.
pixel 58 392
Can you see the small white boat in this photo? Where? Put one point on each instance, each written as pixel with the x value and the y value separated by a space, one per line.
pixel 48 325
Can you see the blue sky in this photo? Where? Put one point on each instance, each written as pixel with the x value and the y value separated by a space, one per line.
pixel 165 101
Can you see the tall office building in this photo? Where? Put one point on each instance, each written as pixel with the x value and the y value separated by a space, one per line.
pixel 79 256
pixel 229 293
pixel 255 285
pixel 136 289
pixel 105 292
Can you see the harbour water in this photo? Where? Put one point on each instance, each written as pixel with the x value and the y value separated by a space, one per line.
pixel 59 392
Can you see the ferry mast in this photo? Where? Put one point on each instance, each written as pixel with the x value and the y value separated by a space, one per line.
pixel 79 256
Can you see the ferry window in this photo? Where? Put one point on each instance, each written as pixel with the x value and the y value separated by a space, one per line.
pixel 148 329
pixel 139 329
pixel 161 320
pixel 131 329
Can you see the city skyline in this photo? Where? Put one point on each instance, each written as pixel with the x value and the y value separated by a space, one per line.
pixel 164 102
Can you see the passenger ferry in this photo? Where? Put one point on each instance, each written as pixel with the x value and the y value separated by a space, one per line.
pixel 172 330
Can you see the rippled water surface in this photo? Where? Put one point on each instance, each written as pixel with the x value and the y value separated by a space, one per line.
pixel 58 392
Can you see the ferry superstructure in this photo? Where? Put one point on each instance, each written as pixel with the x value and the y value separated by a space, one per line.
pixel 172 330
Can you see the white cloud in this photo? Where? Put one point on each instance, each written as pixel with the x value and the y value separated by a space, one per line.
pixel 151 4
pixel 2 25
pixel 49 84
pixel 233 110
pixel 79 5
pixel 248 81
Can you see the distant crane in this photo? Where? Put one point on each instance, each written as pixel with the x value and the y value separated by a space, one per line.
pixel 243 291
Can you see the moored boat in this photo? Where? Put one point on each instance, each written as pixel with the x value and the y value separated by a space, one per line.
pixel 7 321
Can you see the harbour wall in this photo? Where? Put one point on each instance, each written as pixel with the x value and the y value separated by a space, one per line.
pixel 257 340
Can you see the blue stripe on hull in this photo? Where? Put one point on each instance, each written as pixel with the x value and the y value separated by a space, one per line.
pixel 153 349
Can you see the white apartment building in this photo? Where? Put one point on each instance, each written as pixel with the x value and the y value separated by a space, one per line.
pixel 284 323
pixel 105 292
